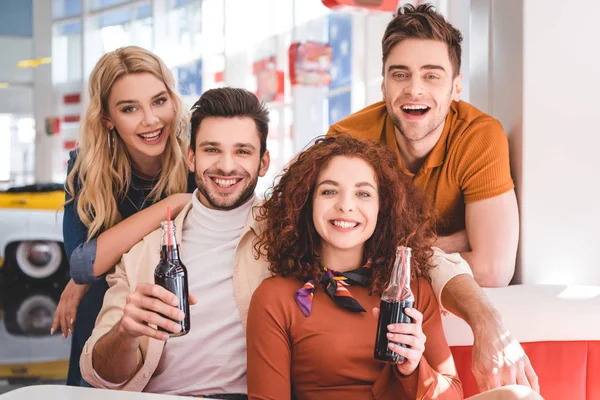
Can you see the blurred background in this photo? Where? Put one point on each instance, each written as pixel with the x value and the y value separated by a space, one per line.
pixel 533 64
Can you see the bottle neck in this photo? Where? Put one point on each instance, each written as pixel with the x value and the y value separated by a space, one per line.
pixel 399 286
pixel 168 242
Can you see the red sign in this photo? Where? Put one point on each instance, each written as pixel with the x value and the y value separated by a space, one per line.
pixel 69 144
pixel 71 118
pixel 72 98
pixel 52 126
pixel 310 64
pixel 379 5
pixel 269 80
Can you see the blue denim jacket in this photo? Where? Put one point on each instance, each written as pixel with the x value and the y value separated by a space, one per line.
pixel 82 253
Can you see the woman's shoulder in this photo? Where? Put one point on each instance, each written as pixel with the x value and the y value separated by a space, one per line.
pixel 70 165
pixel 277 287
pixel 279 284
pixel 72 158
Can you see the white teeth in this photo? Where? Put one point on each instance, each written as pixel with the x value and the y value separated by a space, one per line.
pixel 151 135
pixel 415 107
pixel 225 182
pixel 345 224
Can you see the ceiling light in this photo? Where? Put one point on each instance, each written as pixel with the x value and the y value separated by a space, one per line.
pixel 34 63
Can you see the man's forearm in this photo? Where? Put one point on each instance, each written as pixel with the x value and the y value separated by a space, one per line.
pixel 114 357
pixel 463 297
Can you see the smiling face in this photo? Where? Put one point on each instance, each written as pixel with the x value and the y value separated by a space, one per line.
pixel 345 205
pixel 419 86
pixel 141 110
pixel 227 161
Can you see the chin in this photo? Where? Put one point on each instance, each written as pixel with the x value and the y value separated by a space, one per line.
pixel 345 245
pixel 154 152
pixel 225 202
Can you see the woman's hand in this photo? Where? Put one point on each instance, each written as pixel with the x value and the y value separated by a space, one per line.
pixel 66 311
pixel 411 335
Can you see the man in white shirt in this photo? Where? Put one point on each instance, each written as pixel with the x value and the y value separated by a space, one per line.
pixel 216 230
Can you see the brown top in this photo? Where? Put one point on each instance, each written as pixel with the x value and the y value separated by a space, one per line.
pixel 329 355
pixel 470 161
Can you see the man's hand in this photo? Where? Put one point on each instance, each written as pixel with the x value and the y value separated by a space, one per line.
pixel 66 311
pixel 499 359
pixel 150 304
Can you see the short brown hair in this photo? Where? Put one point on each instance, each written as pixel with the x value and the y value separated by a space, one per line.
pixel 290 242
pixel 422 22
pixel 228 103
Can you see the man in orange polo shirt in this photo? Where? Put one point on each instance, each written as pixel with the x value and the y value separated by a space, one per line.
pixel 458 156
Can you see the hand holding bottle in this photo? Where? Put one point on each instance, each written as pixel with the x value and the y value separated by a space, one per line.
pixel 395 299
pixel 152 304
pixel 409 334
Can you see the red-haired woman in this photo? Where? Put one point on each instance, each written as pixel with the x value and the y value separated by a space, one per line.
pixel 341 203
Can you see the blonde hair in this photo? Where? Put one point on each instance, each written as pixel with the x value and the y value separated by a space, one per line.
pixel 103 167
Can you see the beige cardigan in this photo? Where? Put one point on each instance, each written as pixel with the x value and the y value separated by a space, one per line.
pixel 137 266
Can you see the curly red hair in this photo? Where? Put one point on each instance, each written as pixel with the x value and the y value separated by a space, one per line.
pixel 289 239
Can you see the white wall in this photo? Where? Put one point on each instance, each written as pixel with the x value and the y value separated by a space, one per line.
pixel 15 49
pixel 47 148
pixel 503 94
pixel 561 142
pixel 17 98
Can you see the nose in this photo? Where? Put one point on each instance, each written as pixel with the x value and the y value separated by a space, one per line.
pixel 226 163
pixel 346 203
pixel 414 87
pixel 150 118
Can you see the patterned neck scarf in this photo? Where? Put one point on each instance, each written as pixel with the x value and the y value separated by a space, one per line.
pixel 336 286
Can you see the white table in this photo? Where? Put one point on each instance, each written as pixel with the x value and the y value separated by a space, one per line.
pixel 59 392
pixel 538 313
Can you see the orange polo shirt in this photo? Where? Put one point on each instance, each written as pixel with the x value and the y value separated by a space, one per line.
pixel 470 161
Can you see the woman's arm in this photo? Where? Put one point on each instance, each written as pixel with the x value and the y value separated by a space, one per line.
pixel 268 346
pixel 92 259
pixel 436 377
pixel 118 240
pixel 75 233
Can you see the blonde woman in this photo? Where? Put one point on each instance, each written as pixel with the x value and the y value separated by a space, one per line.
pixel 129 167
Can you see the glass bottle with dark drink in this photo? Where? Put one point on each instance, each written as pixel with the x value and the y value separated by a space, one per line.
pixel 395 298
pixel 171 274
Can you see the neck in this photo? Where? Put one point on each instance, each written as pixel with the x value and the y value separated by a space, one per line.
pixel 415 152
pixel 145 166
pixel 342 260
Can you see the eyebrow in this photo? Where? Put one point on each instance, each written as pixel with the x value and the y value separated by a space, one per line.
pixel 423 68
pixel 334 183
pixel 217 144
pixel 164 92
